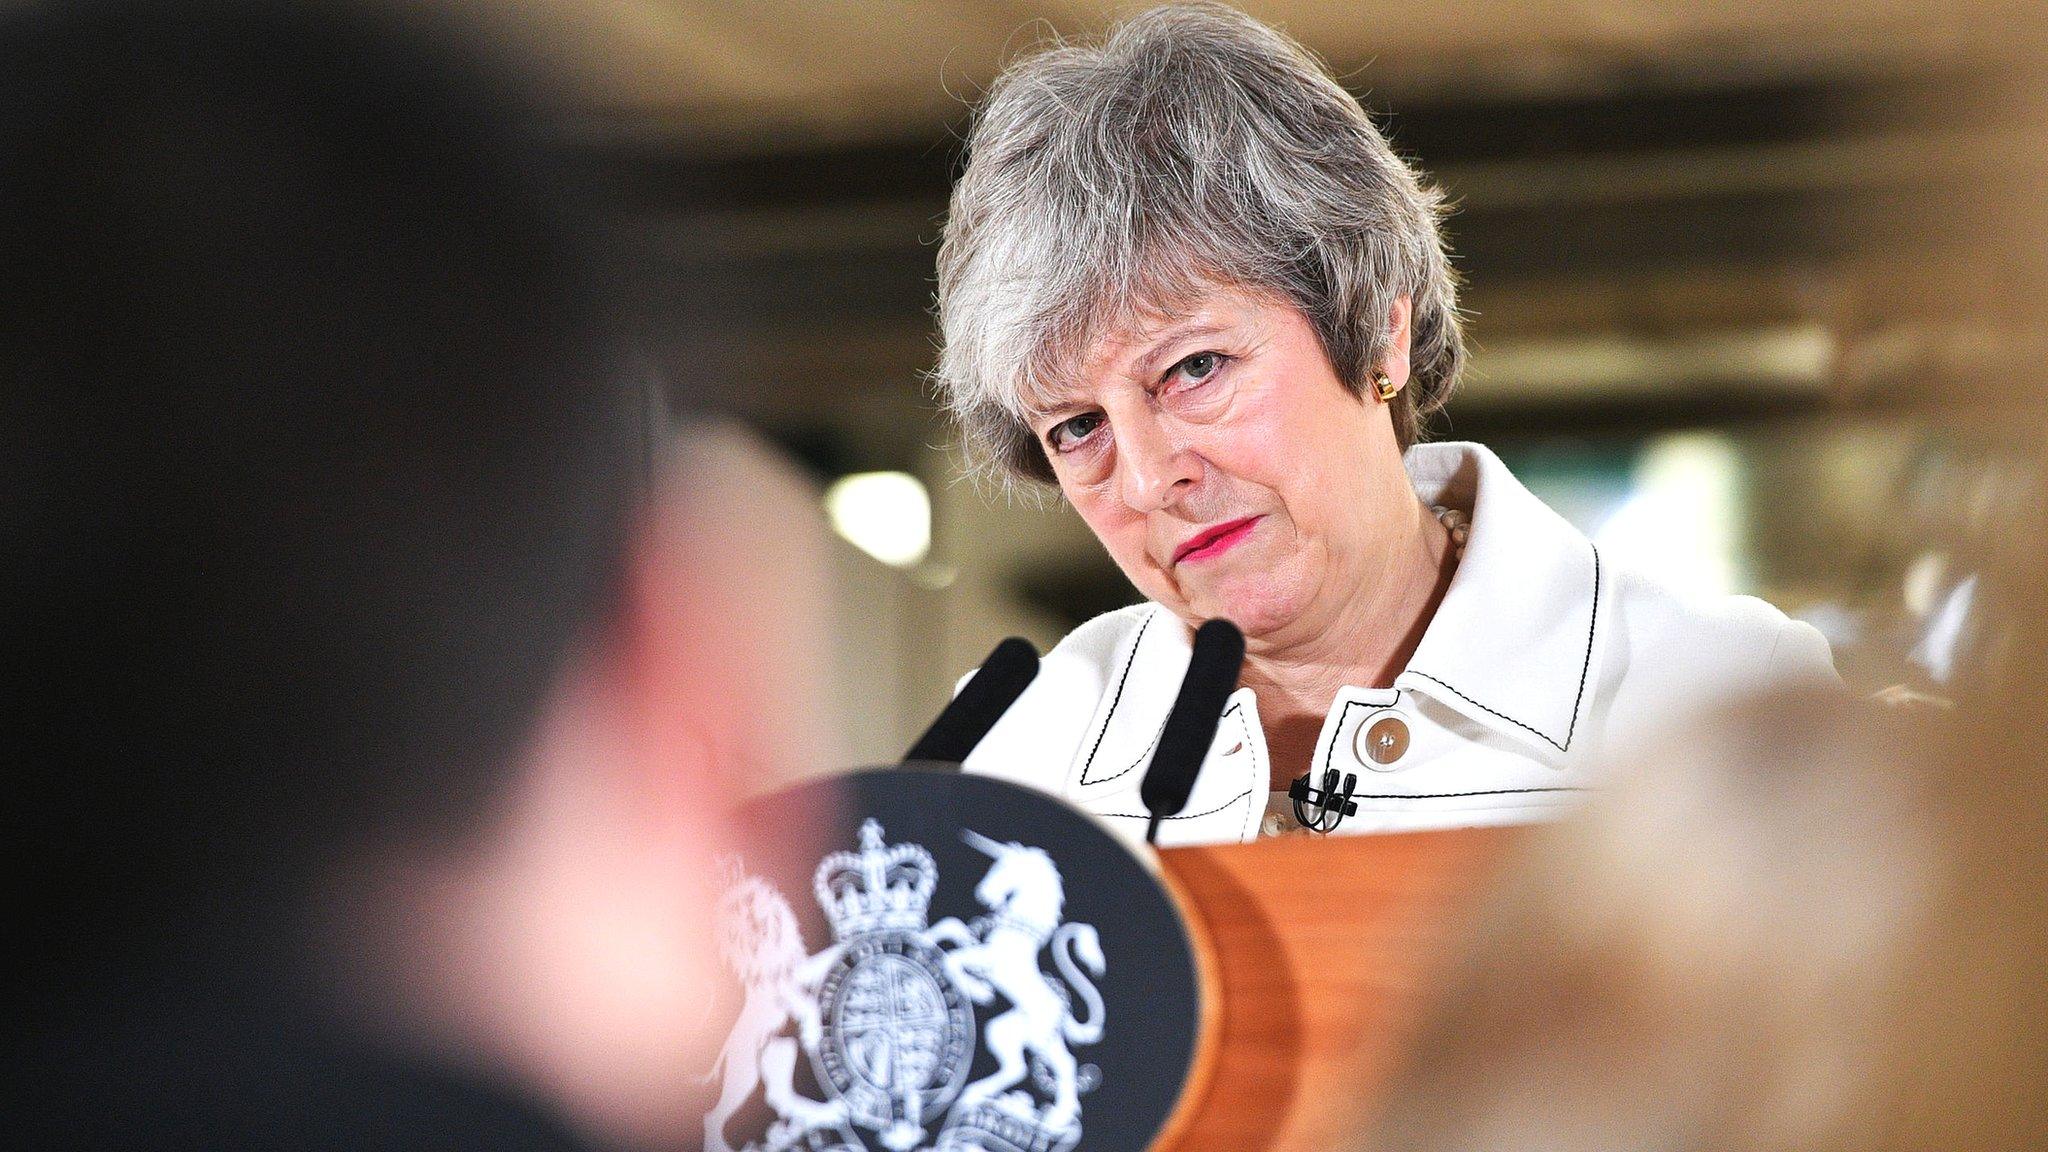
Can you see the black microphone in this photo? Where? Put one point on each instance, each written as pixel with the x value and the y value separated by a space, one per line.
pixel 1332 802
pixel 996 685
pixel 1191 725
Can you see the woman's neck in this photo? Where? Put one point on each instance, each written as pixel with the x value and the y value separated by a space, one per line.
pixel 1368 643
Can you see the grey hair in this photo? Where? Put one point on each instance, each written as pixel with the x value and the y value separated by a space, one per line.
pixel 1192 148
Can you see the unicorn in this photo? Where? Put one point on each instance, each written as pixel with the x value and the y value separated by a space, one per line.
pixel 1023 894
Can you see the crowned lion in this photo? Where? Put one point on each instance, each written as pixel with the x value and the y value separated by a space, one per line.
pixel 762 945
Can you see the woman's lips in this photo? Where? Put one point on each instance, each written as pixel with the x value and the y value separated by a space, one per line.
pixel 1215 541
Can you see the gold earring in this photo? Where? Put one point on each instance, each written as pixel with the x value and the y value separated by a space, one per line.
pixel 1384 387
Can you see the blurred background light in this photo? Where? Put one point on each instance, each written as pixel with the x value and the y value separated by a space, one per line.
pixel 1679 525
pixel 1788 359
pixel 1946 632
pixel 887 515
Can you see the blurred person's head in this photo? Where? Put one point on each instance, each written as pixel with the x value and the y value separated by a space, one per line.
pixel 1797 926
pixel 341 587
pixel 1697 961
pixel 319 461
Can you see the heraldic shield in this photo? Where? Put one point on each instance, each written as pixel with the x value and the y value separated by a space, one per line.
pixel 982 1031
pixel 899 1033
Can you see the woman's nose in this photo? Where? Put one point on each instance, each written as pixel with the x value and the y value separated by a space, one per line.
pixel 1155 468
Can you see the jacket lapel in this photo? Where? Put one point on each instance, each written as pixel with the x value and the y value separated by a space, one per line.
pixel 1513 645
pixel 1109 766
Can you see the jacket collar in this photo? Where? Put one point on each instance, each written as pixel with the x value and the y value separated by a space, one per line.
pixel 1513 644
pixel 1145 678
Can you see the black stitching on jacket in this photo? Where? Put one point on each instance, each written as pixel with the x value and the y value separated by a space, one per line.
pixel 1142 758
pixel 1119 697
pixel 1331 752
pixel 1145 757
pixel 1182 816
pixel 1585 667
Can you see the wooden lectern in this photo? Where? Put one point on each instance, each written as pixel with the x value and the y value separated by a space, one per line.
pixel 966 965
pixel 1315 956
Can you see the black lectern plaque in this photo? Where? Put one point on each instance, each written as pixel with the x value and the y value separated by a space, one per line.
pixel 969 966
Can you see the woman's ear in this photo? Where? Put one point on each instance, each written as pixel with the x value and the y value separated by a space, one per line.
pixel 1394 360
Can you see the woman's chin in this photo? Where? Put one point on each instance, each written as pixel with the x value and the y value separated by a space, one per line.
pixel 1256 604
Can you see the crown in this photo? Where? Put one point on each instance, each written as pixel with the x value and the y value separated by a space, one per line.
pixel 879 887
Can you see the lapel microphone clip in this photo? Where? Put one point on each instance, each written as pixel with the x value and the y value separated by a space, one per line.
pixel 1331 802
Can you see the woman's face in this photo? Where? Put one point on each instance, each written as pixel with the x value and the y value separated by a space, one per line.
pixel 1227 471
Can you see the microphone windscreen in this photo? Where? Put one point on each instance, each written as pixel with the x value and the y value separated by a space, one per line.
pixel 1002 678
pixel 1191 726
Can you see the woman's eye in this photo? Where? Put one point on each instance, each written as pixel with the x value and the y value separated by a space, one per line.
pixel 1200 366
pixel 1072 431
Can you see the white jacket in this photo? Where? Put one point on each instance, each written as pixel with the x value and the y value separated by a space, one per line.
pixel 1541 654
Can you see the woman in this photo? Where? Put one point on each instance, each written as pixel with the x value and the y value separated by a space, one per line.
pixel 1185 280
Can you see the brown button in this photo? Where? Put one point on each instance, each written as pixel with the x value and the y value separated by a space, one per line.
pixel 1383 741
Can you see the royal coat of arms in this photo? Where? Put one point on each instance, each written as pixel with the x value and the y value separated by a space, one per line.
pixel 887 1014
